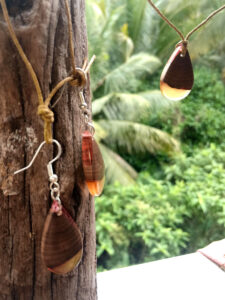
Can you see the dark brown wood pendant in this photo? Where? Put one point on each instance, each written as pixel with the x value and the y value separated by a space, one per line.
pixel 177 76
pixel 61 245
pixel 93 164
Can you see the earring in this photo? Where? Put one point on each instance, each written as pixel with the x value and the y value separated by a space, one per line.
pixel 92 161
pixel 61 244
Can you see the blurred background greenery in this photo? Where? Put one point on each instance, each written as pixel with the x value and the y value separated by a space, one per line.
pixel 164 193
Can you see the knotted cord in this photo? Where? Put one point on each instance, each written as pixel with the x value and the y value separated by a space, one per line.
pixel 78 77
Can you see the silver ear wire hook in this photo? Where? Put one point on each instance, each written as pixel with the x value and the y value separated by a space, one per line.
pixel 49 166
pixel 59 152
pixel 53 178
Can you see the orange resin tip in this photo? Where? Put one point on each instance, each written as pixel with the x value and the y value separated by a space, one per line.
pixel 93 164
pixel 95 187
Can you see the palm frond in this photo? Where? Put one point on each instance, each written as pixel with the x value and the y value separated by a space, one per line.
pixel 111 24
pixel 132 137
pixel 98 104
pixel 95 21
pixel 126 106
pixel 119 106
pixel 136 12
pixel 100 132
pixel 148 31
pixel 211 40
pixel 164 38
pixel 125 76
pixel 117 169
pixel 103 27
pixel 157 101
pixel 126 45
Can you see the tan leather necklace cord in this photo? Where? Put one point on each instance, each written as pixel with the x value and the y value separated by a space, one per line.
pixel 185 39
pixel 204 21
pixel 77 78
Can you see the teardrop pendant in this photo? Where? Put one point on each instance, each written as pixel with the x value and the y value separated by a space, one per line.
pixel 177 76
pixel 61 245
pixel 93 164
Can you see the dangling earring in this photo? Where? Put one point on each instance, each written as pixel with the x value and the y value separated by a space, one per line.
pixel 93 164
pixel 61 244
pixel 92 161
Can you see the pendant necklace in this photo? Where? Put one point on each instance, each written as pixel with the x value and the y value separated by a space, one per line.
pixel 177 77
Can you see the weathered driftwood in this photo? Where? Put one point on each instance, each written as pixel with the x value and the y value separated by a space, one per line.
pixel 41 26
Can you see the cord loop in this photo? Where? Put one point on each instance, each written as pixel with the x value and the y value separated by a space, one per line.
pixel 184 45
pixel 79 78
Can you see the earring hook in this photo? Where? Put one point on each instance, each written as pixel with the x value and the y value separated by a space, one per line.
pixel 49 166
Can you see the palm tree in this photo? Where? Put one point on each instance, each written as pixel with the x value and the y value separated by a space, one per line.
pixel 151 34
pixel 208 43
pixel 118 109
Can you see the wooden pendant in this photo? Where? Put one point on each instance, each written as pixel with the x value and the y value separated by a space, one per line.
pixel 177 76
pixel 61 245
pixel 93 164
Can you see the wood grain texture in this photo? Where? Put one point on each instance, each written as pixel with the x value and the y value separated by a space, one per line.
pixel 92 160
pixel 24 199
pixel 61 241
pixel 93 164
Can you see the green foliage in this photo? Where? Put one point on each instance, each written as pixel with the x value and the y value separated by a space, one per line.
pixel 118 109
pixel 177 205
pixel 198 120
pixel 138 224
pixel 200 181
pixel 125 134
pixel 160 218
pixel 144 138
pixel 203 111
pixel 117 169
pixel 190 189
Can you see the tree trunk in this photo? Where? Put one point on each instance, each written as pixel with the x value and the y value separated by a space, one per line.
pixel 41 27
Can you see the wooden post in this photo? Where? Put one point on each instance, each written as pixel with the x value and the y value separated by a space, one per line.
pixel 41 27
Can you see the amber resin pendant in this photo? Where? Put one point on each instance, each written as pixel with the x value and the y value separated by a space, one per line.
pixel 61 245
pixel 177 76
pixel 93 164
